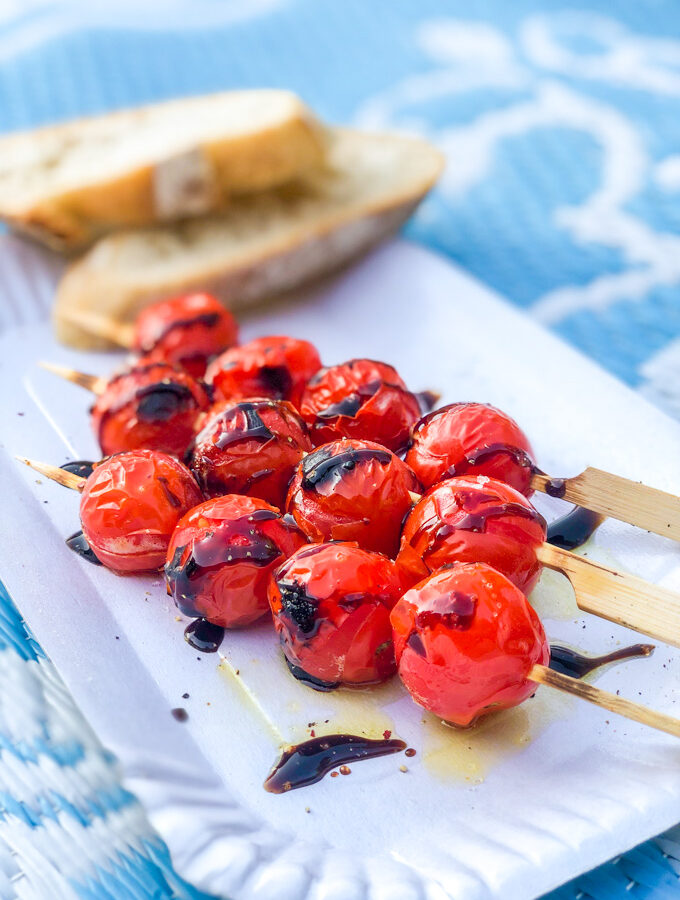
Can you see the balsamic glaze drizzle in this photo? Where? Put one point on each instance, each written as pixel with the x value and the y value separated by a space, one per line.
pixel 482 454
pixel 208 320
pixel 305 678
pixel 82 467
pixel 204 636
pixel 573 529
pixel 577 665
pixel 254 427
pixel 78 543
pixel 351 404
pixel 309 761
pixel 322 465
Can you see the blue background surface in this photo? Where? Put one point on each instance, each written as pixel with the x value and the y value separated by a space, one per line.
pixel 562 129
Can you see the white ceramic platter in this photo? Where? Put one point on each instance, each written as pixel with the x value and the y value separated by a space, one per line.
pixel 510 810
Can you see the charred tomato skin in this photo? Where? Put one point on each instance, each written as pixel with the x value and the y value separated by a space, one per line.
pixel 130 506
pixel 187 331
pixel 331 605
pixel 471 439
pixel 465 641
pixel 363 399
pixel 277 367
pixel 250 447
pixel 221 557
pixel 152 405
pixel 351 490
pixel 474 519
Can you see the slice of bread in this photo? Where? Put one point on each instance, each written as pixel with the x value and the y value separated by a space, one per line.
pixel 261 245
pixel 68 184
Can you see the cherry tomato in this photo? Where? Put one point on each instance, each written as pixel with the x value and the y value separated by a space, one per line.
pixel 221 557
pixel 152 405
pixel 276 367
pixel 360 399
pixel 465 640
pixel 471 439
pixel 353 491
pixel 187 331
pixel 251 447
pixel 130 505
pixel 331 606
pixel 474 519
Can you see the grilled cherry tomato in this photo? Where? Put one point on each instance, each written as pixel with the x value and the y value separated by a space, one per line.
pixel 471 439
pixel 187 331
pixel 331 606
pixel 360 399
pixel 465 641
pixel 352 491
pixel 152 405
pixel 221 557
pixel 276 367
pixel 130 505
pixel 251 447
pixel 474 519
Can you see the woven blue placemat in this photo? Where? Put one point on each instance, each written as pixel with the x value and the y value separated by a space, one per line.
pixel 561 125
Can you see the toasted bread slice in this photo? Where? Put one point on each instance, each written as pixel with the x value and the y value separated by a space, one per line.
pixel 261 245
pixel 68 184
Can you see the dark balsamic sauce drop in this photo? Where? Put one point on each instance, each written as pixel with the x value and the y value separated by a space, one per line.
pixel 204 636
pixel 577 665
pixel 207 320
pixel 556 487
pixel 321 466
pixel 254 428
pixel 427 400
pixel 483 454
pixel 82 467
pixel 276 380
pixel 315 683
pixel 78 543
pixel 573 529
pixel 308 762
pixel 160 402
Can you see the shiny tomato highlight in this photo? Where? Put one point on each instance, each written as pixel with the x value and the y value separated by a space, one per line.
pixel 130 505
pixel 221 557
pixel 352 490
pixel 153 405
pixel 250 447
pixel 276 367
pixel 187 331
pixel 471 439
pixel 331 605
pixel 465 641
pixel 474 519
pixel 361 399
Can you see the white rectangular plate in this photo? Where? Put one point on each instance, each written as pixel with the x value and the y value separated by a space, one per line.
pixel 509 810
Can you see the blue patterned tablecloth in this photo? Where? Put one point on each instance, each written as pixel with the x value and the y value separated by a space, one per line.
pixel 561 123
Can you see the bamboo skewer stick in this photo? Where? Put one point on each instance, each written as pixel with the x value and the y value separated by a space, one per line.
pixel 93 383
pixel 617 497
pixel 119 333
pixel 54 473
pixel 622 707
pixel 618 596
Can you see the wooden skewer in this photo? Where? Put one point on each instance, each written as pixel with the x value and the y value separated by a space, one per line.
pixel 618 596
pixel 93 383
pixel 61 476
pixel 119 333
pixel 605 699
pixel 617 497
